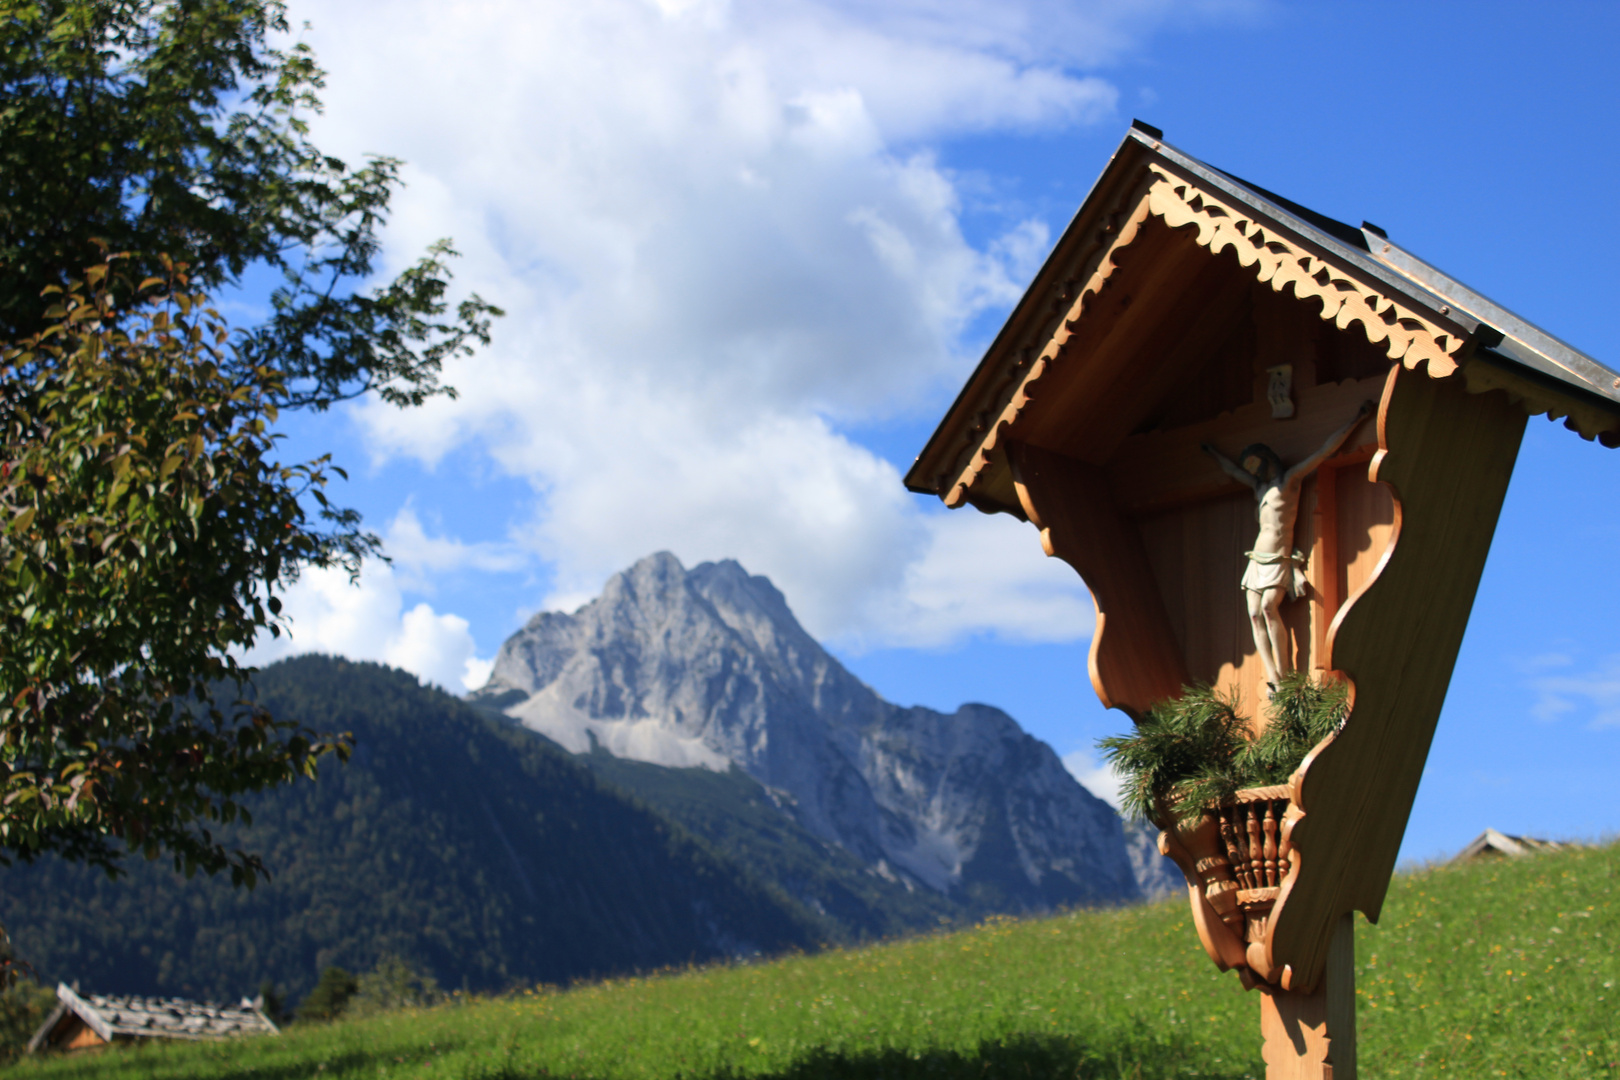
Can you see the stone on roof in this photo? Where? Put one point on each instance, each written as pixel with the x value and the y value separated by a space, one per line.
pixel 81 1021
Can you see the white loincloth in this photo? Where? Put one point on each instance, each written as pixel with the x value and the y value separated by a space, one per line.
pixel 1270 569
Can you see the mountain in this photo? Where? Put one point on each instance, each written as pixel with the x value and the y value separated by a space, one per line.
pixel 476 850
pixel 1156 875
pixel 740 817
pixel 708 668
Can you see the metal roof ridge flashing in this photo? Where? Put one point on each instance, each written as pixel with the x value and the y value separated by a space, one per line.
pixel 1564 357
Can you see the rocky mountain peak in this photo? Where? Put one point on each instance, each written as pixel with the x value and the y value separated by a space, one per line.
pixel 708 667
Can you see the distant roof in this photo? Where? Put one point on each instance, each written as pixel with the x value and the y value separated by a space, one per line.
pixel 1490 842
pixel 113 1018
pixel 1504 351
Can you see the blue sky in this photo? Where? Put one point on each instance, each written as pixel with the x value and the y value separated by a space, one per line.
pixel 751 250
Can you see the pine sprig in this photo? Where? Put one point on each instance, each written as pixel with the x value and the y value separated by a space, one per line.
pixel 1193 751
pixel 1185 740
pixel 1302 714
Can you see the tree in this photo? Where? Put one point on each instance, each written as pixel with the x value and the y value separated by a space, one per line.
pixel 174 128
pixel 330 996
pixel 395 983
pixel 270 1003
pixel 145 532
pixel 23 1008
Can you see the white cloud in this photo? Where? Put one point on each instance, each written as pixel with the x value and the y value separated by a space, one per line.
pixel 366 620
pixel 417 556
pixel 720 238
pixel 1097 777
pixel 979 573
pixel 1085 33
pixel 787 497
pixel 1594 693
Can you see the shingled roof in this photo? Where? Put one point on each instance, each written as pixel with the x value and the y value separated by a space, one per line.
pixel 96 1019
pixel 1493 843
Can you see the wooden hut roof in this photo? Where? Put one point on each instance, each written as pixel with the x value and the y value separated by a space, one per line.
pixel 1490 842
pixel 115 1018
pixel 1076 371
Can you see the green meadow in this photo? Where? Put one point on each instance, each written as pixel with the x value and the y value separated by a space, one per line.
pixel 1496 969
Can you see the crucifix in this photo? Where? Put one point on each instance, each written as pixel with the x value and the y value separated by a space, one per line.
pixel 1276 571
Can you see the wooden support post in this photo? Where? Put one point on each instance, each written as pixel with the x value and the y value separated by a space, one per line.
pixel 1313 1036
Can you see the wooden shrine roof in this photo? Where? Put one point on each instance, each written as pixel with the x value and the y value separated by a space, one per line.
pixel 1416 314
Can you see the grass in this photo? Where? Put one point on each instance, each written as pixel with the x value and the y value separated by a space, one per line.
pixel 1496 969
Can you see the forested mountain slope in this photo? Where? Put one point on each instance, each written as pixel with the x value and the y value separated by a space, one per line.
pixel 473 848
pixel 742 818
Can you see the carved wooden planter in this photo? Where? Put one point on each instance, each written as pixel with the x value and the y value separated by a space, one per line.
pixel 1257 847
pixel 1237 858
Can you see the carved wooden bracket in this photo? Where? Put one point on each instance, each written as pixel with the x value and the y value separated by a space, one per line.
pixel 1447 456
pixel 1134 661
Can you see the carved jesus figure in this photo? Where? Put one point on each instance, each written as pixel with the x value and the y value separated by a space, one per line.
pixel 1275 569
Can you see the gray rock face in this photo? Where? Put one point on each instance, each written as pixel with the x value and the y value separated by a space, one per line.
pixel 709 667
pixel 1156 875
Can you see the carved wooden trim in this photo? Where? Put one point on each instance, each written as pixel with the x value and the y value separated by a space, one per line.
pixel 1044 346
pixel 1588 418
pixel 1235 856
pixel 1410 334
pixel 1219 940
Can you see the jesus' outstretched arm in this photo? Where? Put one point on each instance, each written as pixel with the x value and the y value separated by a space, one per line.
pixel 1300 471
pixel 1230 467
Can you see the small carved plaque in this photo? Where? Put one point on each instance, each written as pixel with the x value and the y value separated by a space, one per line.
pixel 1280 390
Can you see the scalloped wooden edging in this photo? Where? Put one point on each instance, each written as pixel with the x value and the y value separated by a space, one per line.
pixel 1409 335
